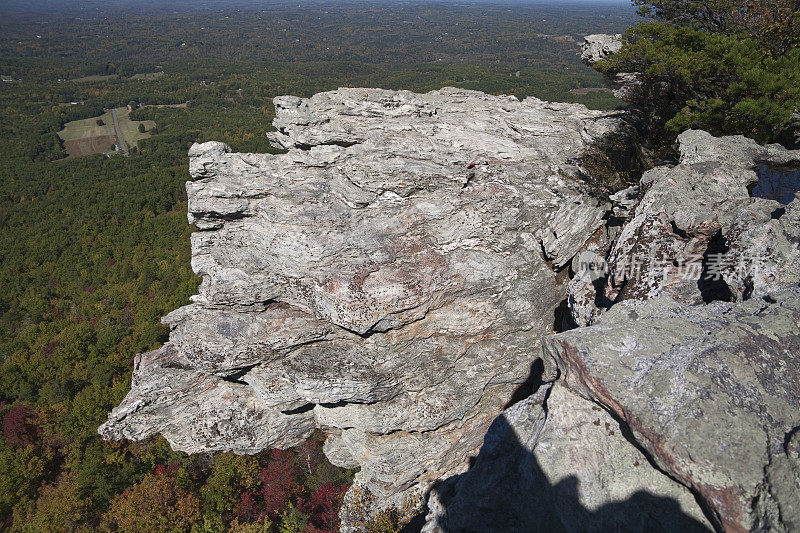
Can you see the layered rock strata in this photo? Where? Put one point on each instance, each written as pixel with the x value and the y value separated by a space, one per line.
pixel 393 279
pixel 388 279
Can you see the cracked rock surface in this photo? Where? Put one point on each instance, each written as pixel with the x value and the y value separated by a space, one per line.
pixel 697 235
pixel 387 279
pixel 710 392
pixel 696 382
pixel 699 353
pixel 393 279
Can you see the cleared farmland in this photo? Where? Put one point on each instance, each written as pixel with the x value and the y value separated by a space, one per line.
pixel 147 75
pixel 86 137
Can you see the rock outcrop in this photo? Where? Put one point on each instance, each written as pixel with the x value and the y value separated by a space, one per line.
pixel 599 46
pixel 699 353
pixel 388 279
pixel 394 278
pixel 692 364
pixel 697 234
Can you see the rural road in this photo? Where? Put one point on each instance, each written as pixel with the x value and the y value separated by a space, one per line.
pixel 120 139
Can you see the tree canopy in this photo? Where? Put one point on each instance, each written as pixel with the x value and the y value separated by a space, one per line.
pixel 726 66
pixel 774 24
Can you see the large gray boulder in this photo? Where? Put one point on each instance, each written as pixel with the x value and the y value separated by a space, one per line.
pixel 599 46
pixel 711 392
pixel 699 354
pixel 387 279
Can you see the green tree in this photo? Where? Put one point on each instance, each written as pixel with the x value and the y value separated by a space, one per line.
pixel 155 504
pixel 231 474
pixel 726 66
pixel 774 24
pixel 59 507
pixel 692 78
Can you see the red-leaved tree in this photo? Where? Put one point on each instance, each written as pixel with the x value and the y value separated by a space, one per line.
pixel 279 482
pixel 323 507
pixel 19 428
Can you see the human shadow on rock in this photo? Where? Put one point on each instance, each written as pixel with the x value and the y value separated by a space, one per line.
pixel 507 491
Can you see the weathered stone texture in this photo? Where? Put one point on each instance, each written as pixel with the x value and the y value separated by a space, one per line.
pixel 388 280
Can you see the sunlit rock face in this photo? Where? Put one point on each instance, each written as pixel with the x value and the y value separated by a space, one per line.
pixel 393 280
pixel 676 403
pixel 599 46
pixel 388 279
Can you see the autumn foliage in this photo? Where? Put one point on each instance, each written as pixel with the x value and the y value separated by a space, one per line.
pixel 272 491
pixel 157 503
pixel 19 428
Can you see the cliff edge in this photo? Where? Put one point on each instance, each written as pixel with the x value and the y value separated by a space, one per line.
pixel 395 279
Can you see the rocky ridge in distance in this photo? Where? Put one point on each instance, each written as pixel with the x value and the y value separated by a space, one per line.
pixel 598 46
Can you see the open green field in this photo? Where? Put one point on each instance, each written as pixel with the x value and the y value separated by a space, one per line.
pixel 147 75
pixel 95 77
pixel 130 128
pixel 86 137
pixel 81 129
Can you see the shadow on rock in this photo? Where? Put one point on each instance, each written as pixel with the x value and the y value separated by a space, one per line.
pixel 508 490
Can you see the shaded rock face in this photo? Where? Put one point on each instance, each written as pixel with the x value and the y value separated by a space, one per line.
pixel 557 462
pixel 388 280
pixel 687 366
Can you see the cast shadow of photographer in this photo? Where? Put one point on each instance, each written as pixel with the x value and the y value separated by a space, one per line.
pixel 507 490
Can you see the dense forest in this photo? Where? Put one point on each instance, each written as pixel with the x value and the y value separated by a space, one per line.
pixel 125 41
pixel 94 250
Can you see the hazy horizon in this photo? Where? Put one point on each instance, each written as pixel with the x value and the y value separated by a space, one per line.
pixel 86 6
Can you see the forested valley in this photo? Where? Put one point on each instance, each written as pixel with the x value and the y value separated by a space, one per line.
pixel 95 249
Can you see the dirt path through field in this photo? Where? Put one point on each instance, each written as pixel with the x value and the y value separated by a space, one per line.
pixel 120 138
